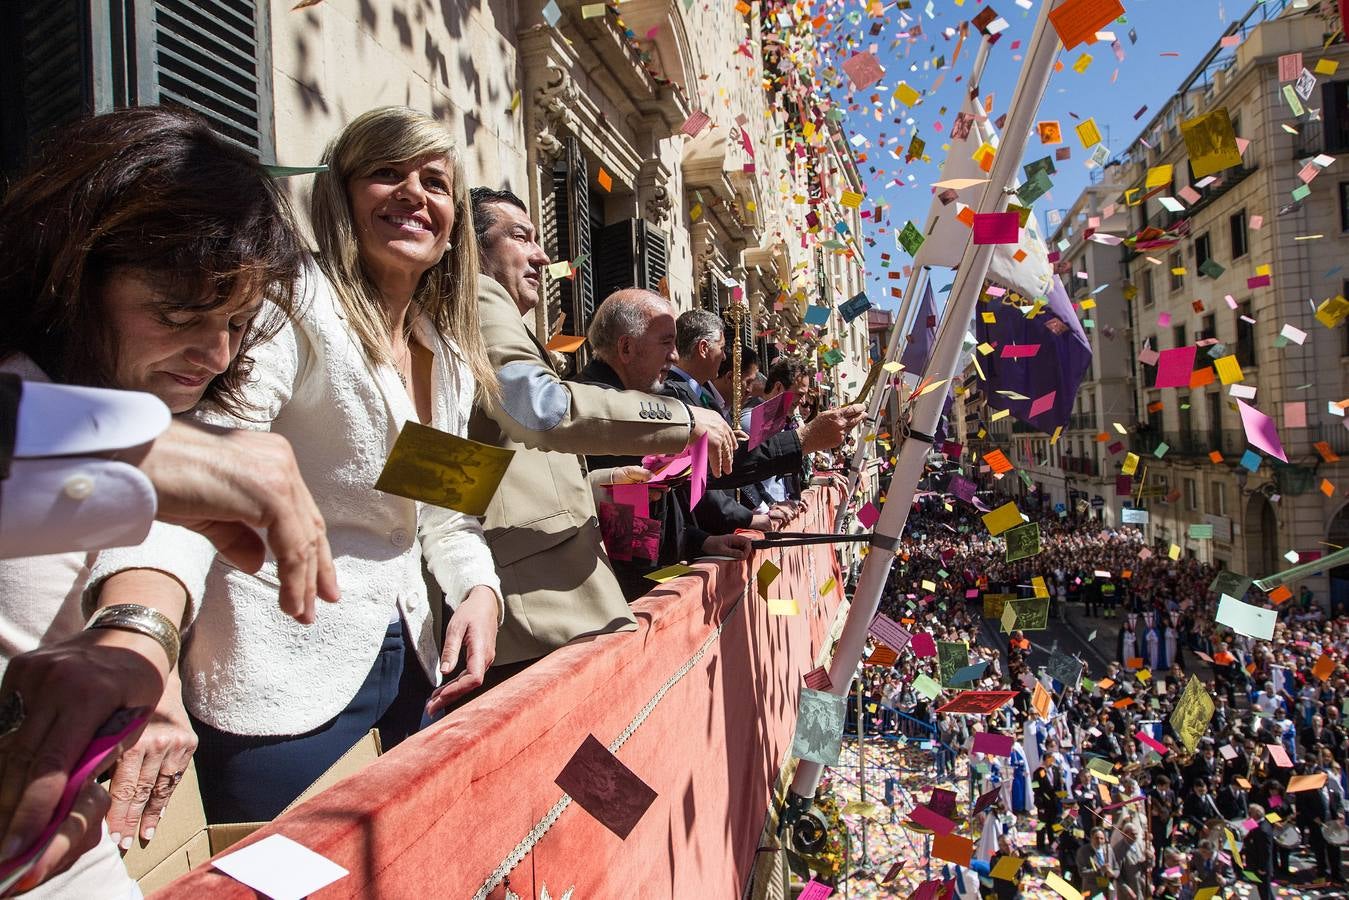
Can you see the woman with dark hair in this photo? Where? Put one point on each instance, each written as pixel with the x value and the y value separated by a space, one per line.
pixel 135 254
pixel 388 336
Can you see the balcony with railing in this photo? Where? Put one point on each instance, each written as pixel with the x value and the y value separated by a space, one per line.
pixel 1079 465
pixel 699 702
pixel 1231 443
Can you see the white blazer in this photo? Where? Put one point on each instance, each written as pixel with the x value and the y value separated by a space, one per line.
pixel 247 668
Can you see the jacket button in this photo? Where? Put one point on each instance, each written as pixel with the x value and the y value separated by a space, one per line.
pixel 398 537
pixel 78 487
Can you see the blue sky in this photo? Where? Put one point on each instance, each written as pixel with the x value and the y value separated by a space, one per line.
pixel 1109 90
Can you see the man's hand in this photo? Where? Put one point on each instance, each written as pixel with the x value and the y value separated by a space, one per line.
pixel 720 439
pixel 782 513
pixel 473 627
pixel 229 485
pixel 828 428
pixel 736 546
pixel 762 522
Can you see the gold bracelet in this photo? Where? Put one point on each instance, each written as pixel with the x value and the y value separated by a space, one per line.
pixel 143 620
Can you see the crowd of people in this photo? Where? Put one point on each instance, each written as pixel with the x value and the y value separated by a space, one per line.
pixel 282 606
pixel 1100 775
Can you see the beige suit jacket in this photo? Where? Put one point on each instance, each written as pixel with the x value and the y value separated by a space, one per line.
pixel 541 526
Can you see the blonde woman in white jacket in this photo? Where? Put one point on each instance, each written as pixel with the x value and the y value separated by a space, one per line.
pixel 388 333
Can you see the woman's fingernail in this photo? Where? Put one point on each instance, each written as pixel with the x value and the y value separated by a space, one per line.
pixel 116 838
pixel 126 842
pixel 149 834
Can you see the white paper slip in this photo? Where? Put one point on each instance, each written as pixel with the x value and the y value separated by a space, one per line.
pixel 1246 619
pixel 280 868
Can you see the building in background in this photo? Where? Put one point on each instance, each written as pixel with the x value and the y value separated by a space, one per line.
pixel 1239 259
pixel 1077 468
pixel 582 113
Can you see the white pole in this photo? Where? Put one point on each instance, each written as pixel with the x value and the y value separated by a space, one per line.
pixel 902 328
pixel 926 410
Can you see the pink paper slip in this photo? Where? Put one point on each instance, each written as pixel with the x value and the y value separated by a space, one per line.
pixel 1174 367
pixel 1261 432
pixel 768 418
pixel 1042 404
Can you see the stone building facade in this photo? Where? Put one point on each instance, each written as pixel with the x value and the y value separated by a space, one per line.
pixel 578 108
pixel 1247 220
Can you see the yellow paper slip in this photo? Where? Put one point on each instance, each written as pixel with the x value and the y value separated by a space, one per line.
pixel 767 574
pixel 1055 882
pixel 443 469
pixel 1004 517
pixel 660 576
pixel 1007 868
pixel 784 606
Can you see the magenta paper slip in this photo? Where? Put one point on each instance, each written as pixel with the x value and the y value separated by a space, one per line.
pixel 118 728
pixel 635 495
pixel 993 744
pixel 930 820
pixel 869 515
pixel 1174 367
pixel 923 645
pixel 996 228
pixel 1261 432
pixel 769 417
pixel 1154 744
pixel 1019 351
pixel 699 479
pixel 815 890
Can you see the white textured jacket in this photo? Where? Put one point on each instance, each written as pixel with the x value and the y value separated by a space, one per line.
pixel 247 668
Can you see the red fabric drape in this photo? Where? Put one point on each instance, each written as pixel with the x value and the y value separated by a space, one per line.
pixel 435 816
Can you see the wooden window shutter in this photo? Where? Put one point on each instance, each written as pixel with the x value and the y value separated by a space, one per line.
pixel 653 248
pixel 571 202
pixel 212 56
pixel 710 298
pixel 615 260
pixel 45 77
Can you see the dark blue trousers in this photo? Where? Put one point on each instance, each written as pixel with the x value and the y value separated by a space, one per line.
pixel 248 778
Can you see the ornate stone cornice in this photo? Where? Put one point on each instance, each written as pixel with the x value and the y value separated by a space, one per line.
pixel 554 103
pixel 653 192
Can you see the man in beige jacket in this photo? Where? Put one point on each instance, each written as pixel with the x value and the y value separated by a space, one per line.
pixel 541 525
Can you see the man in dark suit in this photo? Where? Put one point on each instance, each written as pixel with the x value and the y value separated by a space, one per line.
pixel 1048 802
pixel 632 336
pixel 1257 849
pixel 700 341
pixel 1314 810
pixel 1199 804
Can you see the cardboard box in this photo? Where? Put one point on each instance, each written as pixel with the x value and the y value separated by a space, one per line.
pixel 184 841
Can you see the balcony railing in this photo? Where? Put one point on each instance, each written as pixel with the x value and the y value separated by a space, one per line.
pixel 700 702
pixel 1231 443
pixel 1079 465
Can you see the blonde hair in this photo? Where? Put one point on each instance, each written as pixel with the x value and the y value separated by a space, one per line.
pixel 448 291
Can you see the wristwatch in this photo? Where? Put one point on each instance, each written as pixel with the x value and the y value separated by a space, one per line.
pixel 143 620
